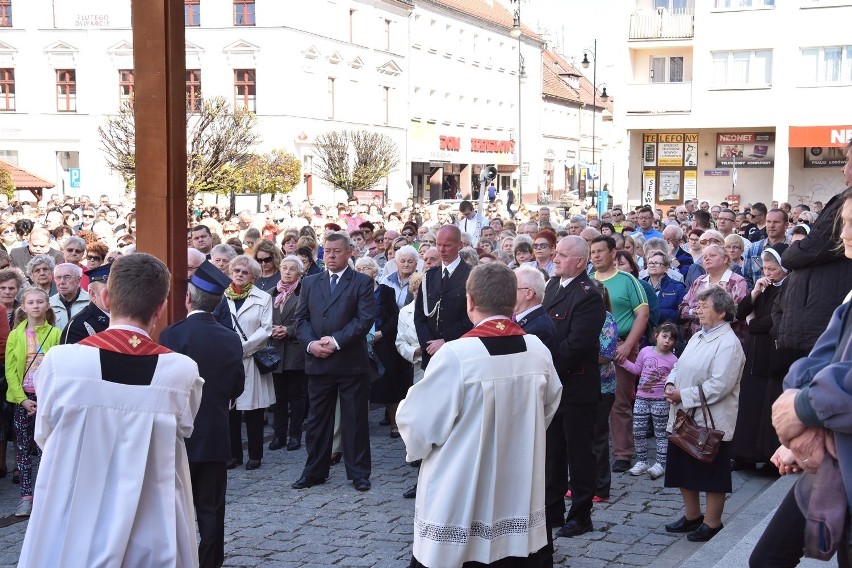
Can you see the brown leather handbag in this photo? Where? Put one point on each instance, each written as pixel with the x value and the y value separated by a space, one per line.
pixel 700 442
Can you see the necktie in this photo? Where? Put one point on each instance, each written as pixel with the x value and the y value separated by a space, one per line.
pixel 446 276
pixel 333 282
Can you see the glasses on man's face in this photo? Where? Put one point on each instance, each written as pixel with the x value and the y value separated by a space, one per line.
pixel 64 278
pixel 85 216
pixel 728 219
pixel 94 258
pixel 263 260
pixel 541 246
pixel 655 263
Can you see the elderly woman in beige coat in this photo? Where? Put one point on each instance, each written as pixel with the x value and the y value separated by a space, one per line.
pixel 713 362
pixel 251 317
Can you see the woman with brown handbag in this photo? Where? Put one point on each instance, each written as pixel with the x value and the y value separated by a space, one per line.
pixel 710 369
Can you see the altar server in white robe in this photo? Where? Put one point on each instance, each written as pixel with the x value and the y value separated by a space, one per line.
pixel 114 486
pixel 478 421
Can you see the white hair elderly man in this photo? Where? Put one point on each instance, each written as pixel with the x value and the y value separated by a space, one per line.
pixel 681 258
pixel 69 299
pixel 529 312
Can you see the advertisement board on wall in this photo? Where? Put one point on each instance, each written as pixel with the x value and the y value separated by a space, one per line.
pixel 822 157
pixel 670 185
pixel 746 149
pixel 690 184
pixel 649 184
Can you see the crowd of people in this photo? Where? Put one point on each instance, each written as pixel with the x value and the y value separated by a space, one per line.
pixel 632 314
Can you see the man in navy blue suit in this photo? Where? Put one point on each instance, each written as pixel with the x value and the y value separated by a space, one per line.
pixel 219 354
pixel 336 309
pixel 529 313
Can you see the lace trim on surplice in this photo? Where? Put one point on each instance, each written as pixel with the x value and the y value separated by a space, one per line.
pixel 453 534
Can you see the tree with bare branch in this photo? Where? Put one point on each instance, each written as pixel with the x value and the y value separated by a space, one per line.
pixel 219 142
pixel 354 160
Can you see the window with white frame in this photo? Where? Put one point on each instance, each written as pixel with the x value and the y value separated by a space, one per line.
pixel 734 4
pixel 831 64
pixel 742 68
pixel 7 89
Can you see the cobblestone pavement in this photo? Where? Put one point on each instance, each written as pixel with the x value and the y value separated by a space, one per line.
pixel 268 524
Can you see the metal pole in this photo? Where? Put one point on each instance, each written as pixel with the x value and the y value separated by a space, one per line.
pixel 594 111
pixel 520 144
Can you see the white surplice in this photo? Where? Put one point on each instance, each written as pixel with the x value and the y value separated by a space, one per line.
pixel 113 488
pixel 478 423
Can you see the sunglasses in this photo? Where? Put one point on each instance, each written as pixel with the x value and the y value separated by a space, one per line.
pixel 94 258
pixel 239 271
pixel 541 246
pixel 78 251
pixel 407 234
pixel 122 245
pixel 231 231
pixel 263 260
pixel 281 220
pixel 88 216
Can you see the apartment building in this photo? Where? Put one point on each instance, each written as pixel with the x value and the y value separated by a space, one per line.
pixel 739 98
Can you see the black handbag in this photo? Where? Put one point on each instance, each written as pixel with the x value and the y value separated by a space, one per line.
pixel 266 359
pixel 700 442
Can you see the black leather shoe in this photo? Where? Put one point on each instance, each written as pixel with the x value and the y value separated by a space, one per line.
pixel 233 463
pixel 684 525
pixel 703 533
pixel 620 466
pixel 276 443
pixel 294 443
pixel 252 464
pixel 362 484
pixel 411 493
pixel 305 482
pixel 573 528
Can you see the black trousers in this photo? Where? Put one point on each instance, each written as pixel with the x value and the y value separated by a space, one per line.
pixel 254 433
pixel 209 483
pixel 354 392
pixel 601 446
pixel 782 544
pixel 570 446
pixel 290 393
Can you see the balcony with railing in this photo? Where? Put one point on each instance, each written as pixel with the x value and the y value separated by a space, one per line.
pixel 657 98
pixel 661 24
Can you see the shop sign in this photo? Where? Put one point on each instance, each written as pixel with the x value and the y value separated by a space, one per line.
pixel 649 184
pixel 497 146
pixel 670 149
pixel 690 184
pixel 450 143
pixel 745 149
pixel 733 200
pixel 717 173
pixel 84 14
pixel 824 157
pixel 820 136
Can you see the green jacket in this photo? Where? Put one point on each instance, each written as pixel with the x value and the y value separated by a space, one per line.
pixel 16 356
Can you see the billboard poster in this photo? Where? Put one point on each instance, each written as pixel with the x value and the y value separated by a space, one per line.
pixel 745 149
pixel 824 157
pixel 649 185
pixel 649 150
pixel 670 185
pixel 671 154
pixel 690 184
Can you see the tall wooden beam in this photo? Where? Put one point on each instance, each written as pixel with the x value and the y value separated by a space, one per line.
pixel 159 61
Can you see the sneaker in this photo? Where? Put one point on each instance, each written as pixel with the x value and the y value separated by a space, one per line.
pixel 639 468
pixel 656 471
pixel 25 507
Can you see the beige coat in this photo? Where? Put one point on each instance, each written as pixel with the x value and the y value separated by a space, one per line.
pixel 715 361
pixel 255 318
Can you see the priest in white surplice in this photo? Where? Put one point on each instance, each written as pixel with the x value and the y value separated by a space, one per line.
pixel 113 411
pixel 478 421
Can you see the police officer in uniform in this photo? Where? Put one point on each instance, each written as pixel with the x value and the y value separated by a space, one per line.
pixel 93 318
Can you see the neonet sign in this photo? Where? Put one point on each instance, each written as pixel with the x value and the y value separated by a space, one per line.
pixel 453 143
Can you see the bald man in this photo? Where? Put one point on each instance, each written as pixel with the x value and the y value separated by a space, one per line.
pixel 194 258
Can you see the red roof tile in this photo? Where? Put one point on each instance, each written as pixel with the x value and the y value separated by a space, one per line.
pixel 24 179
pixel 488 10
pixel 555 70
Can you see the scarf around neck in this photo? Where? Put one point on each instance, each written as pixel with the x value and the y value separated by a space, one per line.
pixel 233 292
pixel 284 292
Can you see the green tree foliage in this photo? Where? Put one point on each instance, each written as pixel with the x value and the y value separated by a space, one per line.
pixel 6 185
pixel 354 160
pixel 275 172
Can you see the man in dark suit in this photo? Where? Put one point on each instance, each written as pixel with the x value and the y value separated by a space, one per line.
pixel 39 243
pixel 93 318
pixel 336 310
pixel 445 315
pixel 219 354
pixel 529 313
pixel 577 309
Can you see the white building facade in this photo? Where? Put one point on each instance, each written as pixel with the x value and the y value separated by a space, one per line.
pixel 65 66
pixel 737 100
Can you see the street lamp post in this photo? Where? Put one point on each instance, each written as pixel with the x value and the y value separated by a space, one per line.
pixel 522 77
pixel 604 98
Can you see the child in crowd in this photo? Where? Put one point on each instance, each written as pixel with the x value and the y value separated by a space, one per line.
pixel 653 365
pixel 25 349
